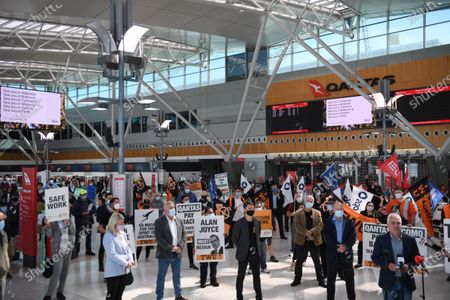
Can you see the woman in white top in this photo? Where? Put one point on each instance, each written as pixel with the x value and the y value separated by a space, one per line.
pixel 119 257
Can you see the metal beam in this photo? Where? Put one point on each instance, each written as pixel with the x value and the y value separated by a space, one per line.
pixel 262 27
pixel 150 89
pixel 445 148
pixel 17 145
pixel 29 145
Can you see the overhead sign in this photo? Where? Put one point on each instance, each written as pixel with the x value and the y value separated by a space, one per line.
pixel 317 89
pixel 209 239
pixel 371 231
pixel 144 224
pixel 348 111
pixel 57 204
pixel 187 212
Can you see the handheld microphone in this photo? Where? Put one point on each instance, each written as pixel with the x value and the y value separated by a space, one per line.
pixel 419 261
pixel 400 262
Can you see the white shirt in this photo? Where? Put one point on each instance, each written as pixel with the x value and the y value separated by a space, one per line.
pixel 239 207
pixel 173 230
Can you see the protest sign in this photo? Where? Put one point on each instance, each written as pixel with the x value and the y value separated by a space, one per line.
pixel 265 217
pixel 57 204
pixel 129 237
pixel 359 199
pixel 144 223
pixel 209 239
pixel 447 244
pixel 187 212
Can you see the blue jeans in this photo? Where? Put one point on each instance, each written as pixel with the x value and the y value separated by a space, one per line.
pixel 394 293
pixel 263 253
pixel 163 265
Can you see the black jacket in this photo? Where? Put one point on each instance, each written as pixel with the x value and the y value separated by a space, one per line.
pixel 348 239
pixel 241 237
pixel 383 255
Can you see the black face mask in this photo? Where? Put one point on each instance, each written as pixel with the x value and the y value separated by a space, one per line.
pixel 250 212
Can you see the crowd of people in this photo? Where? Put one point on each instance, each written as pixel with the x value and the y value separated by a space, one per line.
pixel 315 222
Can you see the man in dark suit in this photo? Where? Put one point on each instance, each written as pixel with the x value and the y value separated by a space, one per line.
pixel 340 236
pixel 171 239
pixel 246 235
pixel 395 252
pixel 215 243
pixel 276 201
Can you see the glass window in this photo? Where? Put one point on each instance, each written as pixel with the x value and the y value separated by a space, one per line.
pixel 406 40
pixel 373 30
pixel 136 125
pixel 87 130
pixel 372 47
pixel 235 47
pixel 437 16
pixel 144 123
pixel 434 36
pixel 192 76
pixel 367 20
pixel 351 51
pixel 261 63
pixel 193 119
pixel 405 22
pixel 325 54
pixel 173 118
pixel 236 67
pixel 304 60
pixel 216 76
pixel 332 38
pixel 98 127
pixel 274 54
pixel 177 82
pixel 181 124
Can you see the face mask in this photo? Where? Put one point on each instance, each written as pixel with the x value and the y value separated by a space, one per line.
pixel 157 198
pixel 330 207
pixel 172 212
pixel 257 189
pixel 2 225
pixel 211 215
pixel 398 196
pixel 120 227
pixel 318 194
pixel 238 194
pixel 187 191
pixel 369 208
pixel 339 213
pixel 308 205
pixel 41 191
pixel 274 191
pixel 299 200
pixel 250 212
pixel 116 206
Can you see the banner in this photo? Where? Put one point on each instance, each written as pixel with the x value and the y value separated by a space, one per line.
pixel 330 177
pixel 447 244
pixel 57 204
pixel 222 184
pixel 187 212
pixel 301 185
pixel 129 237
pixel 209 239
pixel 359 199
pixel 286 189
pixel 265 217
pixel 435 195
pixel 406 182
pixel 357 220
pixel 28 216
pixel 371 231
pixel 338 193
pixel 245 185
pixel 421 193
pixel 212 189
pixel 391 167
pixel 144 224
pixel 347 191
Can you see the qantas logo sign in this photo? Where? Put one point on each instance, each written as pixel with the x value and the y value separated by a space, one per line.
pixel 317 89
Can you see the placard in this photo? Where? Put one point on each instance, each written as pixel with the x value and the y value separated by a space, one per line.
pixel 129 237
pixel 265 217
pixel 447 244
pixel 371 231
pixel 187 212
pixel 57 204
pixel 209 239
pixel 144 223
pixel 222 184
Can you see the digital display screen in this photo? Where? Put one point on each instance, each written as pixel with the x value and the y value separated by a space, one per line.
pixel 21 108
pixel 348 111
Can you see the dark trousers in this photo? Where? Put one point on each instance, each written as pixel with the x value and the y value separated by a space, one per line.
pixel 253 260
pixel 286 222
pixel 116 286
pixel 190 251
pixel 347 271
pixel 360 253
pixel 101 252
pixel 302 255
pixel 323 258
pixel 147 251
pixel 230 234
pixel 279 217
pixel 83 230
pixel 212 272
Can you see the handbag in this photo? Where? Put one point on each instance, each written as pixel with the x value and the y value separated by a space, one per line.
pixel 129 279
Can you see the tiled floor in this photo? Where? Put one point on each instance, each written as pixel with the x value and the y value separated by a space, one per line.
pixel 85 282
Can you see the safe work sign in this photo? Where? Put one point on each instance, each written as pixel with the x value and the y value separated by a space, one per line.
pixel 57 204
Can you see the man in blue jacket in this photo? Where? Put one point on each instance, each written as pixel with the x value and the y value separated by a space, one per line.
pixel 395 252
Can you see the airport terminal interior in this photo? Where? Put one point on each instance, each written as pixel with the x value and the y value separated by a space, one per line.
pixel 111 111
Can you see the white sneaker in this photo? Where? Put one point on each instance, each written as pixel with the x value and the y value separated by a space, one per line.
pixel 265 271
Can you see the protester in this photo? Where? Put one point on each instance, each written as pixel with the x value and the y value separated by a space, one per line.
pixel 292 209
pixel 103 214
pixel 83 210
pixel 246 237
pixel 171 240
pixel 236 204
pixel 406 207
pixel 119 257
pixel 389 251
pixel 12 222
pixel 212 265
pixel 204 200
pixel 187 193
pixel 369 212
pixel 340 236
pixel 276 204
pixel 62 235
pixel 4 257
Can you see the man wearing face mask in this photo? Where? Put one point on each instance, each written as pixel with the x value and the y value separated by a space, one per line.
pixel 186 193
pixel 236 203
pixel 83 211
pixel 215 243
pixel 13 221
pixel 103 215
pixel 292 209
pixel 171 240
pixel 406 206
pixel 276 204
pixel 340 236
pixel 308 238
pixel 204 200
pixel 246 237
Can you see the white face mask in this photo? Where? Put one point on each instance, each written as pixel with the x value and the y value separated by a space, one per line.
pixel 299 199
pixel 116 206
pixel 398 196
pixel 369 208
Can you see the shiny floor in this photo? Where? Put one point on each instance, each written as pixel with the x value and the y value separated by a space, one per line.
pixel 85 282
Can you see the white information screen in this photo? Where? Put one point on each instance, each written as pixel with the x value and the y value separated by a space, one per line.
pixel 30 107
pixel 348 111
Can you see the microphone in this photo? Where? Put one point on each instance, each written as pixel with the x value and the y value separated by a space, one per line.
pixel 419 261
pixel 400 262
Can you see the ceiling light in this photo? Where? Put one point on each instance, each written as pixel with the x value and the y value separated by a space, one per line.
pixel 150 108
pixel 100 107
pixel 89 100
pixel 146 101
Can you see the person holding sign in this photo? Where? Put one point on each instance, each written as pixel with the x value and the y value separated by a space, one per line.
pixel 236 204
pixel 119 257
pixel 171 239
pixel 217 249
pixel 395 252
pixel 406 205
pixel 308 238
pixel 83 210
pixel 246 235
